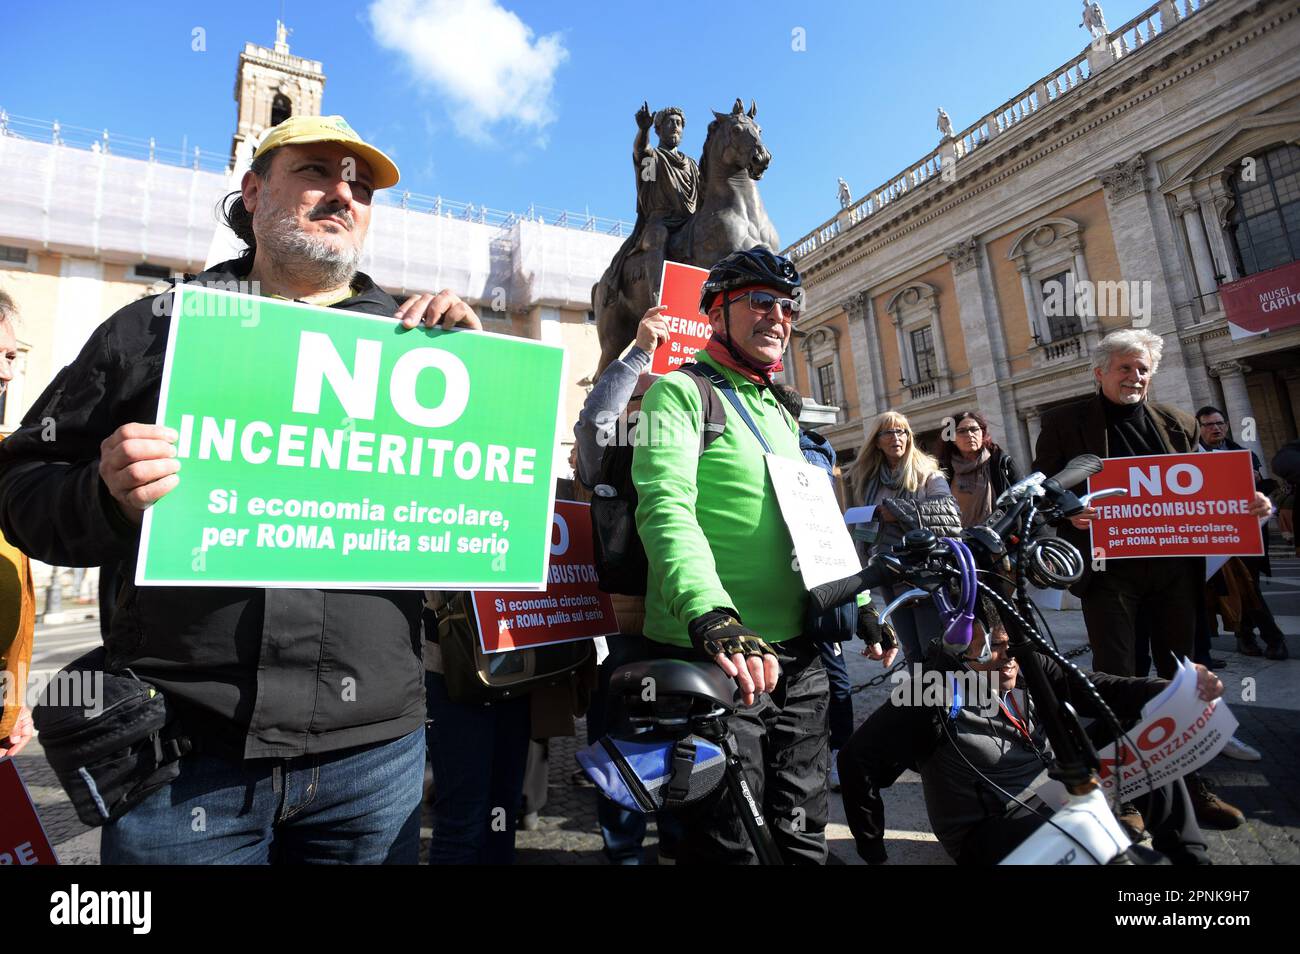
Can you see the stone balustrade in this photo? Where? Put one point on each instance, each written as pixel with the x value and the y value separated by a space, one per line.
pixel 922 389
pixel 1068 349
pixel 1146 27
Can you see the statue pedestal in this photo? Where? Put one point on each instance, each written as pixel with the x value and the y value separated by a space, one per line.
pixel 1100 56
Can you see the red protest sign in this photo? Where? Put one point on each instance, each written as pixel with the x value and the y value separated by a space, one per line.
pixel 573 606
pixel 1177 505
pixel 22 837
pixel 688 330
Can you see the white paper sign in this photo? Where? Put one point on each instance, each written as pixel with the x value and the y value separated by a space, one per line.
pixel 812 515
pixel 1179 732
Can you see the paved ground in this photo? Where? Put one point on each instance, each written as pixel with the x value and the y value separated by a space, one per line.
pixel 1267 791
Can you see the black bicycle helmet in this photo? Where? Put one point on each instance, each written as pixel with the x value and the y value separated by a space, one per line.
pixel 755 266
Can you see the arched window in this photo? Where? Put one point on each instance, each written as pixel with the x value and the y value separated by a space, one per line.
pixel 1265 223
pixel 281 109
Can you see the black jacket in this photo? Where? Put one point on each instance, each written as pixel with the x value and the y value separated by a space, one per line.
pixel 1080 428
pixel 897 737
pixel 1003 471
pixel 253 672
pixel 1286 464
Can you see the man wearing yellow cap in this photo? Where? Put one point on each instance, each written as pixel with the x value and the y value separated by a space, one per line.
pixel 287 767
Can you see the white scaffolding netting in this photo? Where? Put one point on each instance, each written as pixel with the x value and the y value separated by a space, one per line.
pixel 410 251
pixel 83 202
pixel 95 204
pixel 557 266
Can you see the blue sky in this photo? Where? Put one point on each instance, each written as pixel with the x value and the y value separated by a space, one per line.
pixel 507 102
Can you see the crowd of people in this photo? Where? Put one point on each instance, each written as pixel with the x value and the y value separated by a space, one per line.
pixel 284 772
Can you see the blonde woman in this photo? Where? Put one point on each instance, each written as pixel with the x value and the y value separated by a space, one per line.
pixel 908 489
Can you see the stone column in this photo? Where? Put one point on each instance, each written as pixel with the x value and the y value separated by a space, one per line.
pixel 841 399
pixel 1034 426
pixel 1081 275
pixel 865 347
pixel 905 369
pixel 1139 240
pixel 1142 242
pixel 1202 261
pixel 1214 212
pixel 936 332
pixel 983 339
pixel 1036 327
pixel 1237 407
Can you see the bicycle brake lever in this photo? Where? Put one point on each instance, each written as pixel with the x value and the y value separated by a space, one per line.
pixel 914 595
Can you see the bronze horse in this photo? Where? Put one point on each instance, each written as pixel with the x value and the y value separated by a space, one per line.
pixel 729 218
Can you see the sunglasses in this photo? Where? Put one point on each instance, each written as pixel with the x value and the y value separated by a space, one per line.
pixel 763 303
pixel 894 432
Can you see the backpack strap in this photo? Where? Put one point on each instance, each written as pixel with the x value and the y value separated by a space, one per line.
pixel 715 414
pixel 719 381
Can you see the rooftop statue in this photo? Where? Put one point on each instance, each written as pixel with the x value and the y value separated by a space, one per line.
pixel 944 124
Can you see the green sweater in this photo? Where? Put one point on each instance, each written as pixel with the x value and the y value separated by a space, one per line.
pixel 711 525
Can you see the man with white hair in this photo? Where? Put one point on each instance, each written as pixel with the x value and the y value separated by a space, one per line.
pixel 1160 595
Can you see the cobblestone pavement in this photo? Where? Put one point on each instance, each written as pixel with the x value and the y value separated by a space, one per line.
pixel 1268 791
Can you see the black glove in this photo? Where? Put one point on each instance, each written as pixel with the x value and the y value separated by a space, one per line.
pixel 871 630
pixel 720 632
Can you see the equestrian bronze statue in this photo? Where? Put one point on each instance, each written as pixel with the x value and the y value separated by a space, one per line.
pixel 696 215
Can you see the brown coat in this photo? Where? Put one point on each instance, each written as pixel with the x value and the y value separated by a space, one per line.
pixel 1080 428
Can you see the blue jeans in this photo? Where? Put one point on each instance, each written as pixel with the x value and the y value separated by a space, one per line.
pixel 356 806
pixel 478 753
pixel 840 713
pixel 916 625
pixel 623 831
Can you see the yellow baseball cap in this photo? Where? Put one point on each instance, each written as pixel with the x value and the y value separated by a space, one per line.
pixel 298 130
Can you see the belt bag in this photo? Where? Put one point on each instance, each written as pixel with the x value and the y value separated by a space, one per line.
pixel 113 755
pixel 649 775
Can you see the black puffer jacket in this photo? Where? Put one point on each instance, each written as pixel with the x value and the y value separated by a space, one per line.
pixel 254 673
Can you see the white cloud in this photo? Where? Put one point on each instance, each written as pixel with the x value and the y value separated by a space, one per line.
pixel 476 54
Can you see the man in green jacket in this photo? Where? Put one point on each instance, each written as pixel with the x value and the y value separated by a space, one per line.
pixel 723 583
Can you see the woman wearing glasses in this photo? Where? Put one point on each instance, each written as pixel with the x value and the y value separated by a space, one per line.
pixel 977 469
pixel 907 489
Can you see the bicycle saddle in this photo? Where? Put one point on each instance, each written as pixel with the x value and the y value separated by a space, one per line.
pixel 675 677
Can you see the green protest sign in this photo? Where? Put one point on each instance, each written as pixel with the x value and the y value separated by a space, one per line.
pixel 327 448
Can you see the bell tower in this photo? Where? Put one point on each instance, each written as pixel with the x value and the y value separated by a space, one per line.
pixel 271 85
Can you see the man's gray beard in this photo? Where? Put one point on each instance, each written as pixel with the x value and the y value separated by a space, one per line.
pixel 307 258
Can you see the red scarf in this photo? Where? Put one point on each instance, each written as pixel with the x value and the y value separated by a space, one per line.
pixel 716 350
